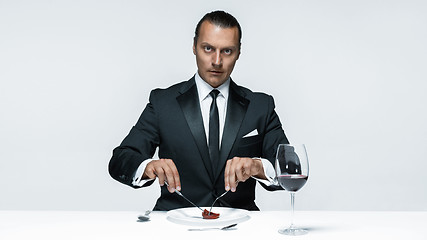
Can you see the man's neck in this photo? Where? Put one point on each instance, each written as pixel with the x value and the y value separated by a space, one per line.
pixel 204 88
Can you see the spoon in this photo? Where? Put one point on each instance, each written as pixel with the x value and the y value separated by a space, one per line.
pixel 228 227
pixel 145 217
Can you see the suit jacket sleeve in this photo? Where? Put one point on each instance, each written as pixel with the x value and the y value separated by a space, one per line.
pixel 274 135
pixel 140 144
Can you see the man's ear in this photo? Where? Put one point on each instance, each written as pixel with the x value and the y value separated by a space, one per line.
pixel 194 48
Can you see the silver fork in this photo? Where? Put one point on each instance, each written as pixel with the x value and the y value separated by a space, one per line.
pixel 220 196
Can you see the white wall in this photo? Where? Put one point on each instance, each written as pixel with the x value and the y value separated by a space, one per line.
pixel 348 77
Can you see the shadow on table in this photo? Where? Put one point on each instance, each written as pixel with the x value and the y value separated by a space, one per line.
pixel 316 229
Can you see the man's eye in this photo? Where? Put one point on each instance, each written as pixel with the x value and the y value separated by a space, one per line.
pixel 227 51
pixel 208 49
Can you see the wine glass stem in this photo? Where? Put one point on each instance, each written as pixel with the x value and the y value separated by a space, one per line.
pixel 292 209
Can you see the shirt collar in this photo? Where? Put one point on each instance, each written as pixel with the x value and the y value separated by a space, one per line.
pixel 203 88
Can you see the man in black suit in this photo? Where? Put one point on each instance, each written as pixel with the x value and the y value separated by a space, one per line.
pixel 213 135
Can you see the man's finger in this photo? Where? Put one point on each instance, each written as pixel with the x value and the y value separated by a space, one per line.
pixel 149 173
pixel 176 179
pixel 232 174
pixel 158 171
pixel 171 174
pixel 240 171
pixel 226 175
pixel 247 169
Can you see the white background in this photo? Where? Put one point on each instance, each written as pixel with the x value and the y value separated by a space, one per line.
pixel 348 77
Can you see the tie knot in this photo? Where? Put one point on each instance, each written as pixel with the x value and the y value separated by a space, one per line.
pixel 214 93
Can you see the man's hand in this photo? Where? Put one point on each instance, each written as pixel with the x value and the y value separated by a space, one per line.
pixel 165 170
pixel 240 169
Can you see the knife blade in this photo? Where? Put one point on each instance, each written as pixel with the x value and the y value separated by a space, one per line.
pixel 188 200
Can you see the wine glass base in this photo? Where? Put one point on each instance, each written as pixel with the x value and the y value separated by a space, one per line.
pixel 293 231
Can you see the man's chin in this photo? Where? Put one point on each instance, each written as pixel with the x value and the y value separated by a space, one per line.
pixel 214 81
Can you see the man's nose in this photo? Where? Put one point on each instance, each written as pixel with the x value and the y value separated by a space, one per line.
pixel 217 59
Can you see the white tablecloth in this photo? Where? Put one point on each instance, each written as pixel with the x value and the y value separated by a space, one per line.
pixel 261 225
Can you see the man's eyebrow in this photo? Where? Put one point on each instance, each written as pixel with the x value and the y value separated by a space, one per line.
pixel 227 47
pixel 231 47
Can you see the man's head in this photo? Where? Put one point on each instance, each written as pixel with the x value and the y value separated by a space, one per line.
pixel 217 46
pixel 221 19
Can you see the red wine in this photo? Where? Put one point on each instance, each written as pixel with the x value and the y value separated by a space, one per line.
pixel 292 183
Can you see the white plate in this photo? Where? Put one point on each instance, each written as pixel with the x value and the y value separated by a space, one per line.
pixel 193 216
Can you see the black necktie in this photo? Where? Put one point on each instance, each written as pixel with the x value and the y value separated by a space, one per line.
pixel 214 130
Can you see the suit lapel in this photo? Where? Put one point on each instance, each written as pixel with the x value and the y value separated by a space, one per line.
pixel 236 110
pixel 188 100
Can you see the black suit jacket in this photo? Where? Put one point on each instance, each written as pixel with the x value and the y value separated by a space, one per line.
pixel 173 122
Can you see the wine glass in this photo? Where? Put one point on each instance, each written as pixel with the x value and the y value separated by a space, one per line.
pixel 292 174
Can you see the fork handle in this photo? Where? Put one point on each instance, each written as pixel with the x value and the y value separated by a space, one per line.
pixel 210 210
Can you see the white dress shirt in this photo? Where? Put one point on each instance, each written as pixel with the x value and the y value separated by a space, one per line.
pixel 205 100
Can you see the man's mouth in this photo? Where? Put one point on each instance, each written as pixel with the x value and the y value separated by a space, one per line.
pixel 215 72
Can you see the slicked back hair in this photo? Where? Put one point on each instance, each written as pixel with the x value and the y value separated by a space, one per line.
pixel 221 19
